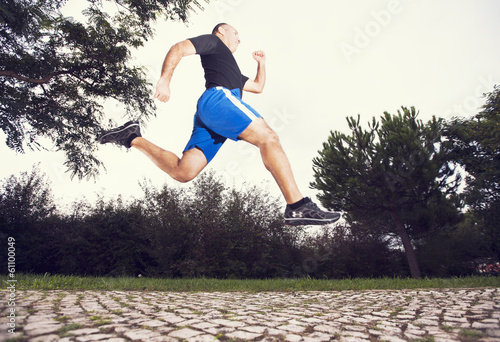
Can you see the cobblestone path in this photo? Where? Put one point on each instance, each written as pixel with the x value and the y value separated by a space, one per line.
pixel 407 315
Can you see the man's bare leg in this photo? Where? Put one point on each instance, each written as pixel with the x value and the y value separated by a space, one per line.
pixel 181 169
pixel 258 133
pixel 299 210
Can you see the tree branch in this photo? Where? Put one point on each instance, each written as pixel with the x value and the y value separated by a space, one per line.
pixel 46 79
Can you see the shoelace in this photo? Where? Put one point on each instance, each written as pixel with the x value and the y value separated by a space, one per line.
pixel 313 205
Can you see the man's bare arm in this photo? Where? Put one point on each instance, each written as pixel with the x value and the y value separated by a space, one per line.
pixel 257 85
pixel 174 56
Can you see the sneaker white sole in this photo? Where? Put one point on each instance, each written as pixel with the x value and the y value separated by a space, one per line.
pixel 300 221
pixel 102 138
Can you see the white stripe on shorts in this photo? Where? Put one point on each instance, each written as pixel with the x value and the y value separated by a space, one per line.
pixel 238 103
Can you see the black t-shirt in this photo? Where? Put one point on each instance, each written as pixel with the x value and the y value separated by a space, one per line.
pixel 218 62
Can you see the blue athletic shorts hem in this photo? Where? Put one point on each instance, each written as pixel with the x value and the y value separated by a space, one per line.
pixel 220 115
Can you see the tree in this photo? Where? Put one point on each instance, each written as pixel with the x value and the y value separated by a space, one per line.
pixel 55 72
pixel 380 175
pixel 475 143
pixel 25 201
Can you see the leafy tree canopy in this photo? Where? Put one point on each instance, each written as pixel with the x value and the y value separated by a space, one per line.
pixel 476 146
pixel 390 170
pixel 55 72
pixel 396 163
pixel 475 143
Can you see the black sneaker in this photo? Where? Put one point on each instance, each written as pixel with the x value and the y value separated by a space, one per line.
pixel 122 135
pixel 308 214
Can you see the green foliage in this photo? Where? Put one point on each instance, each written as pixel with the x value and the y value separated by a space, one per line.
pixel 459 250
pixel 25 199
pixel 109 237
pixel 388 175
pixel 213 231
pixel 396 163
pixel 208 230
pixel 26 204
pixel 347 251
pixel 202 230
pixel 475 144
pixel 56 72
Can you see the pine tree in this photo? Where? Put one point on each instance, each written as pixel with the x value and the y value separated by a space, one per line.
pixel 382 174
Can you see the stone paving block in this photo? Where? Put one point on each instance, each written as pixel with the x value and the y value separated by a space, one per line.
pixel 296 322
pixel 161 339
pixel 228 323
pixel 345 320
pixel 41 317
pixel 327 329
pixel 153 323
pixel 164 330
pixel 424 321
pixel 171 318
pixel 274 318
pixel 458 319
pixel 372 318
pixel 493 332
pixel 46 338
pixel 490 320
pixel 244 335
pixel 405 317
pixel 375 333
pixel 292 328
pixel 255 329
pixel 391 339
pixel 353 339
pixel 41 328
pixel 390 330
pixel 312 320
pixel 203 338
pixel 479 325
pixel 93 337
pixel 317 337
pixel 192 321
pixel 204 325
pixel 140 334
pixel 293 338
pixel 357 334
pixel 84 331
pixel 414 334
pixel 185 333
pixel 360 328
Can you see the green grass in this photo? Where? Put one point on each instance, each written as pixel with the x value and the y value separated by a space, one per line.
pixel 471 335
pixel 62 282
pixel 63 332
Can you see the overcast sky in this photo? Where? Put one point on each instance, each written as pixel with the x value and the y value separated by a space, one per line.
pixel 326 60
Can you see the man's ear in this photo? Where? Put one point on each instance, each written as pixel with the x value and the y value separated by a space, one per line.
pixel 221 29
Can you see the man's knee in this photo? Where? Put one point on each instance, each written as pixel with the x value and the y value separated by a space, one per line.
pixel 185 177
pixel 190 165
pixel 269 137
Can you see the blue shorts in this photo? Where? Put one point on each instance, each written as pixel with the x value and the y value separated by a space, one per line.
pixel 220 114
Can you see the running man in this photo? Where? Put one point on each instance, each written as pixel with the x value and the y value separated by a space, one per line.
pixel 221 114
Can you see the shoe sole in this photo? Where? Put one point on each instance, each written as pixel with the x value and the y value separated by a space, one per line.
pixel 309 221
pixel 116 134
